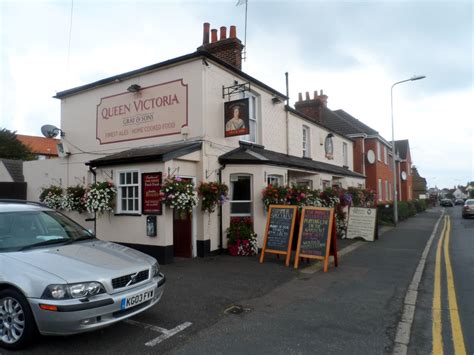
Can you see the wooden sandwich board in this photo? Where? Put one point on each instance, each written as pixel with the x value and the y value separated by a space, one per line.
pixel 317 235
pixel 279 231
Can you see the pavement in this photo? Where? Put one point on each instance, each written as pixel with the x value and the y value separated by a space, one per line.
pixel 207 291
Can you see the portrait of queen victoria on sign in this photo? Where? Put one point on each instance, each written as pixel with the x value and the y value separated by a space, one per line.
pixel 236 118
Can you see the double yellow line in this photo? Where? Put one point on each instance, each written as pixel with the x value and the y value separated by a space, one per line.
pixel 456 329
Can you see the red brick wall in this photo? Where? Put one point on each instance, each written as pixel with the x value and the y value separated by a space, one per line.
pixel 378 170
pixel 359 155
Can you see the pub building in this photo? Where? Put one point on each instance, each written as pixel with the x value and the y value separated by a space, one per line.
pixel 197 117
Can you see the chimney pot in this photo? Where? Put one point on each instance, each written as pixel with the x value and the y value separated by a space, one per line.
pixel 223 33
pixel 300 96
pixel 214 35
pixel 315 94
pixel 233 32
pixel 321 92
pixel 205 35
pixel 307 96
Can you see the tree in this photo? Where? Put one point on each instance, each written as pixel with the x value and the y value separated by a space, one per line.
pixel 12 148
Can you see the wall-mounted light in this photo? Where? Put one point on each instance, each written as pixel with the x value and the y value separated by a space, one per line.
pixel 276 100
pixel 134 88
pixel 330 135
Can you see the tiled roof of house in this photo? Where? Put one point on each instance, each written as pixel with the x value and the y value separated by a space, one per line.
pixel 249 153
pixel 14 168
pixel 350 124
pixel 39 145
pixel 156 153
pixel 402 148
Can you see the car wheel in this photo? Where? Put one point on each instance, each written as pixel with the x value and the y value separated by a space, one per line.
pixel 17 325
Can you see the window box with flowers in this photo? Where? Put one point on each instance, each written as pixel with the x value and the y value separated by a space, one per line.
pixel 179 194
pixel 212 194
pixel 241 239
pixel 100 197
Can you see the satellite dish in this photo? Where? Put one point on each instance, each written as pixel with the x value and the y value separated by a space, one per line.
pixel 50 131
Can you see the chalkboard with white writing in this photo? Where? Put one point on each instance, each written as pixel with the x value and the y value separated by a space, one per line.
pixel 314 237
pixel 279 231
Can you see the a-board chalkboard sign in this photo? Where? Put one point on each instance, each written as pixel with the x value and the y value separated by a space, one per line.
pixel 279 231
pixel 362 223
pixel 317 228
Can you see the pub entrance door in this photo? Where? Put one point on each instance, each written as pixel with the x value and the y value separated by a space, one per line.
pixel 182 233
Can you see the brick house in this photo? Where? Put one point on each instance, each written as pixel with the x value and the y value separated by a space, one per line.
pixel 419 183
pixel 372 153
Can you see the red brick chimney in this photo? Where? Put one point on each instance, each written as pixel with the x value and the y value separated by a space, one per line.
pixel 226 49
pixel 312 107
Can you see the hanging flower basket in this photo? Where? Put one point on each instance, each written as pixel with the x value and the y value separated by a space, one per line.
pixel 73 199
pixel 51 196
pixel 179 194
pixel 100 197
pixel 212 194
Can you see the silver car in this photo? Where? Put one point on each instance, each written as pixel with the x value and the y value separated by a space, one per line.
pixel 56 278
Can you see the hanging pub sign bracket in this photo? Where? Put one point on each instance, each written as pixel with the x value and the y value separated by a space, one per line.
pixel 173 172
pixel 234 89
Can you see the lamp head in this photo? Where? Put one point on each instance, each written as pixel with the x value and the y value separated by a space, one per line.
pixel 417 77
pixel 134 88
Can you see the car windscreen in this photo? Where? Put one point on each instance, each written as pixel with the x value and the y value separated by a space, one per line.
pixel 21 230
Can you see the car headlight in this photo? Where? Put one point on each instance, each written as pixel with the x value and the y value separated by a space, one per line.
pixel 78 290
pixel 155 269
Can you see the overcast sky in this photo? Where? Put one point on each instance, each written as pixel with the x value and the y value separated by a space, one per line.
pixel 353 50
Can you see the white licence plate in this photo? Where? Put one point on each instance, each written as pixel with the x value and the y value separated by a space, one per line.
pixel 136 299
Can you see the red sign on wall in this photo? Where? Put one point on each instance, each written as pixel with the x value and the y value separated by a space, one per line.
pixel 151 187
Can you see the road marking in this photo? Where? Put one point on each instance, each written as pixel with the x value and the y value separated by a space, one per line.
pixel 165 333
pixel 437 326
pixel 402 337
pixel 456 328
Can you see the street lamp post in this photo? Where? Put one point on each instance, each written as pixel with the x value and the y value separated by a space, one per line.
pixel 394 164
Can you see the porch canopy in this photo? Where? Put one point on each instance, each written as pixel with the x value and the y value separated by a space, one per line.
pixel 255 154
pixel 148 154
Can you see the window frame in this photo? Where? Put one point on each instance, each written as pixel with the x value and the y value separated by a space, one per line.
pixel 345 154
pixel 278 177
pixel 231 193
pixel 120 197
pixel 306 141
pixel 253 117
pixel 380 190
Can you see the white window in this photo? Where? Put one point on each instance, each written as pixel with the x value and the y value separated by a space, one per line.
pixel 253 122
pixel 128 192
pixel 306 142
pixel 240 195
pixel 326 184
pixel 379 153
pixel 275 180
pixel 344 154
pixel 385 155
pixel 386 191
pixel 380 192
pixel 305 183
pixel 390 191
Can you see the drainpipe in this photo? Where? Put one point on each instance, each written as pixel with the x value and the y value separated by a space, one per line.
pixel 219 174
pixel 92 170
pixel 287 116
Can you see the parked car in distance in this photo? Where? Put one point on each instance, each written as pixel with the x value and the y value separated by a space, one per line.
pixel 57 278
pixel 468 209
pixel 446 202
pixel 459 201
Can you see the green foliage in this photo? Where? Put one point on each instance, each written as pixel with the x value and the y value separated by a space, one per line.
pixel 212 194
pixel 12 148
